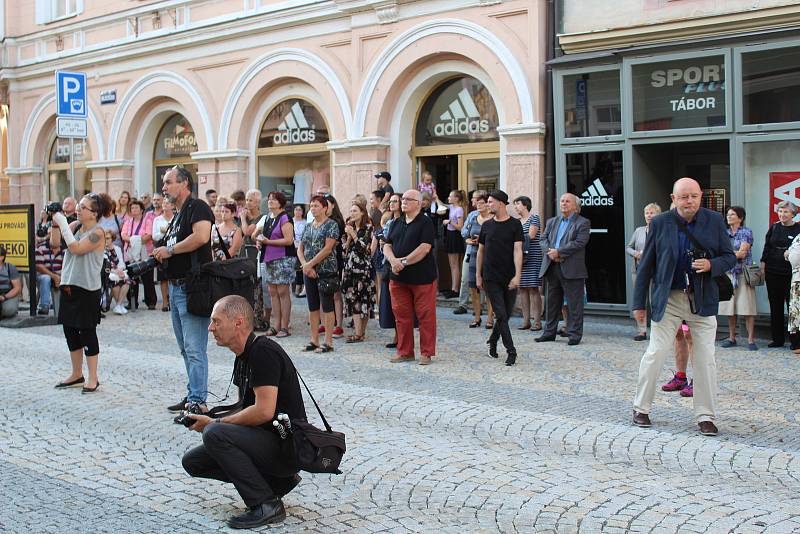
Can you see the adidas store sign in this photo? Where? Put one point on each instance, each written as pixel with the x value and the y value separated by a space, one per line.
pixel 294 129
pixel 461 118
pixel 596 195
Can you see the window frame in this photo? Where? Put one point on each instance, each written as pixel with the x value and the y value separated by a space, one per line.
pixel 738 52
pixel 558 94
pixel 46 9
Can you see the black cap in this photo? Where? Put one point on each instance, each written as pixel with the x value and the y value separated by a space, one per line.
pixel 384 174
pixel 499 195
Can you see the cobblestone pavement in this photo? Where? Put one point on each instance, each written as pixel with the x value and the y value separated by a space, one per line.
pixel 463 445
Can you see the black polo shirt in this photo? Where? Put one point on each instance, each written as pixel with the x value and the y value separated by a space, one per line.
pixel 405 237
pixel 498 239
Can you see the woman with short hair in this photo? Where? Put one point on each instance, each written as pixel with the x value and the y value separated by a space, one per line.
pixel 634 249
pixel 778 271
pixel 744 296
pixel 80 289
pixel 226 234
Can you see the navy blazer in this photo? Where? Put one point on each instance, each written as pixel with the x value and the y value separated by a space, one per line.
pixel 659 260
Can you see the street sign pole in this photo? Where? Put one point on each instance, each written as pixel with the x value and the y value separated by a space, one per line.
pixel 72 167
pixel 71 104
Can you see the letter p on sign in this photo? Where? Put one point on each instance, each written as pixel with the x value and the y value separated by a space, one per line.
pixel 71 94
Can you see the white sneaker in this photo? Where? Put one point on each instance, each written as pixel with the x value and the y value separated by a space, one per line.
pixel 123 310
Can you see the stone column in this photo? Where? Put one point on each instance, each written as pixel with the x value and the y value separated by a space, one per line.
pixel 522 153
pixel 225 171
pixel 355 163
pixel 112 176
pixel 26 186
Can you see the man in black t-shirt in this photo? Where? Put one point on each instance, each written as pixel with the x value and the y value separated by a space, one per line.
pixel 189 235
pixel 384 178
pixel 499 268
pixel 243 447
pixel 412 282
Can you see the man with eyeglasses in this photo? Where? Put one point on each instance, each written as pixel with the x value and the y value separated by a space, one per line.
pixel 683 289
pixel 189 235
pixel 412 281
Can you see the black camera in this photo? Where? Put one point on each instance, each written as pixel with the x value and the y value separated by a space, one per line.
pixel 51 209
pixel 184 419
pixel 136 270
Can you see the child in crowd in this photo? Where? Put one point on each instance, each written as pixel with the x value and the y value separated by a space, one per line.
pixel 427 185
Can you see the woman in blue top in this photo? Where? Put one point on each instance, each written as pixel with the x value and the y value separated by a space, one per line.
pixel 744 296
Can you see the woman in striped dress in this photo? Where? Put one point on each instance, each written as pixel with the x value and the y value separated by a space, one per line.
pixel 532 261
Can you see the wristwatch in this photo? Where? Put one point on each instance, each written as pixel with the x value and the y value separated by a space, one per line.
pixel 169 249
pixel 404 262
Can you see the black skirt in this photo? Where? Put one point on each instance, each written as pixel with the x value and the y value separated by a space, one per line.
pixel 453 242
pixel 79 307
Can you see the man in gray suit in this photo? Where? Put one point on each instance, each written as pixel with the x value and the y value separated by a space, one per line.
pixel 563 269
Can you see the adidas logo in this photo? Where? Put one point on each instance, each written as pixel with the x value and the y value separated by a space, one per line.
pixel 596 195
pixel 462 117
pixel 294 128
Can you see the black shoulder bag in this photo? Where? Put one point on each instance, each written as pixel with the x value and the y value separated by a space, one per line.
pixel 723 282
pixel 208 283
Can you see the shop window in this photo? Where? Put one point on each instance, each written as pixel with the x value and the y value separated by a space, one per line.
pixel 58 186
pixel 771 86
pixel 460 110
pixel 678 94
pixel 293 122
pixel 592 104
pixel 176 140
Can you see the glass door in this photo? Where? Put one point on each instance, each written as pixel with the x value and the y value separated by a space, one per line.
pixel 479 171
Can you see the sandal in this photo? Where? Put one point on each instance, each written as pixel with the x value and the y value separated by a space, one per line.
pixel 355 339
pixel 323 349
pixel 489 326
pixel 310 347
pixel 524 327
pixel 475 324
pixel 271 332
pixel 283 332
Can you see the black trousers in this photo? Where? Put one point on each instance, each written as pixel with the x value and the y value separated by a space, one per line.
pixel 556 289
pixel 778 294
pixel 502 300
pixel 150 297
pixel 249 457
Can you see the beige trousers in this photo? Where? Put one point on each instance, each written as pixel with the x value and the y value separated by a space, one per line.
pixel 662 344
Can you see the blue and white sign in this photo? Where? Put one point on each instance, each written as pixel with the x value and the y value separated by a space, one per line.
pixel 71 94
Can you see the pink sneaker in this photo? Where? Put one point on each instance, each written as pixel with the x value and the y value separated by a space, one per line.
pixel 338 332
pixel 688 391
pixel 321 329
pixel 676 384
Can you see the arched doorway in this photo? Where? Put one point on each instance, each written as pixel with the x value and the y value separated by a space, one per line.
pixel 292 155
pixel 455 137
pixel 58 184
pixel 174 144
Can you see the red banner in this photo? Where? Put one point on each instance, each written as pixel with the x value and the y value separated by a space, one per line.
pixel 782 186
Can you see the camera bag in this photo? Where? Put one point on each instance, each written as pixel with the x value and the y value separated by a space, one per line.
pixel 315 450
pixel 208 283
pixel 724 284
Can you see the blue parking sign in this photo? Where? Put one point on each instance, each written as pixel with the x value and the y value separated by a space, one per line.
pixel 71 94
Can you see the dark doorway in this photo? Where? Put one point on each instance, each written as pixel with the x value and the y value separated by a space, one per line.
pixel 444 170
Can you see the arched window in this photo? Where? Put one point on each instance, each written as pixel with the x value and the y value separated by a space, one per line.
pixel 174 145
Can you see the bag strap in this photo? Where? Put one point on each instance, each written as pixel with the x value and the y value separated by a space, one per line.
pixel 685 230
pixel 222 244
pixel 324 421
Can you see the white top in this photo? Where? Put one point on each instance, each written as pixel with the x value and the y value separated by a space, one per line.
pixel 160 225
pixel 302 185
pixel 82 271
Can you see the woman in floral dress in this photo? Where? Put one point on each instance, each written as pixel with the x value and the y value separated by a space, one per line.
pixel 358 284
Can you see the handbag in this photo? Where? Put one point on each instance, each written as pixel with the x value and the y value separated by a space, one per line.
pixel 328 283
pixel 753 275
pixel 724 284
pixel 315 450
pixel 208 283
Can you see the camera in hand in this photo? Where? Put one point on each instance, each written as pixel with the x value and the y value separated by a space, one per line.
pixel 184 419
pixel 136 270
pixel 52 209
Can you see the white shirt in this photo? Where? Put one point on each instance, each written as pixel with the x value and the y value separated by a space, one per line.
pixel 302 185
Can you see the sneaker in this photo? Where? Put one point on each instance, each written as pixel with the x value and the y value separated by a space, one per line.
pixel 676 384
pixel 728 343
pixel 338 332
pixel 688 390
pixel 42 311
pixel 179 406
pixel 321 329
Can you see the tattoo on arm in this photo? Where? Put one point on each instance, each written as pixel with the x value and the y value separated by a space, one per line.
pixel 94 238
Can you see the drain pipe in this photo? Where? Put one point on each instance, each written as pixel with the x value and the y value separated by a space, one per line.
pixel 553 51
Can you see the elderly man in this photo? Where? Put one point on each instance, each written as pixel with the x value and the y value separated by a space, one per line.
pixel 685 249
pixel 147 200
pixel 412 281
pixel 242 447
pixel 68 207
pixel 158 202
pixel 563 269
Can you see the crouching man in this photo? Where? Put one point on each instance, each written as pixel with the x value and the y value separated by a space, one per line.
pixel 243 447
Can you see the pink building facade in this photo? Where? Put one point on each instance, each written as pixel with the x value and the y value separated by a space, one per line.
pixel 278 95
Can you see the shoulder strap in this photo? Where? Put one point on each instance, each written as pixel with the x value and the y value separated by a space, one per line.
pixel 324 421
pixel 685 230
pixel 222 244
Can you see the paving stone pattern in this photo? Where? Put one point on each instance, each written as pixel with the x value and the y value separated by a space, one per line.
pixel 463 445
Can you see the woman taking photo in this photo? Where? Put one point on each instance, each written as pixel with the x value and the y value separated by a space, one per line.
pixel 227 232
pixel 531 263
pixel 473 232
pixel 318 261
pixel 276 236
pixel 79 305
pixel 137 239
pixel 117 277
pixel 358 286
pixel 778 271
pixel 385 313
pixel 454 243
pixel 634 250
pixel 744 296
pixel 160 226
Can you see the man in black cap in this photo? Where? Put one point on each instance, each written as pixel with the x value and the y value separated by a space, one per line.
pixel 499 269
pixel 383 185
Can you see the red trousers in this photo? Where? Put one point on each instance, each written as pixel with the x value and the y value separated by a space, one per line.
pixel 409 300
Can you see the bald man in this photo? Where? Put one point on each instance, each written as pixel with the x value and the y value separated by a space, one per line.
pixel 683 289
pixel 563 268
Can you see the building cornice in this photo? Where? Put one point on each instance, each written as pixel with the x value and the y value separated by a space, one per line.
pixel 363 142
pixel 220 154
pixel 711 26
pixel 23 170
pixel 110 164
pixel 514 130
